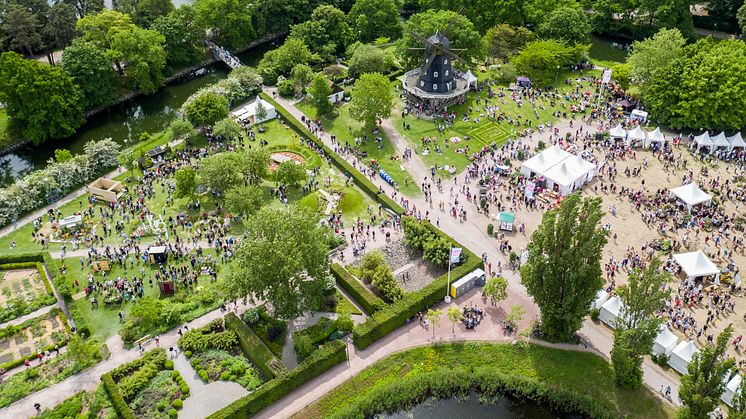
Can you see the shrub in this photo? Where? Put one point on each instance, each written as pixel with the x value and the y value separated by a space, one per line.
pixel 595 312
pixel 490 229
pixel 161 406
pixel 285 88
pixel 273 333
pixel 200 340
pixel 178 403
pixel 117 400
pixel 32 374
pixel 251 345
pixel 173 413
pixel 175 375
pixel 303 345
pixel 188 354
pixel 203 375
pixel 169 365
pixel 357 291
pixel 185 389
pixel 251 316
pixel 225 376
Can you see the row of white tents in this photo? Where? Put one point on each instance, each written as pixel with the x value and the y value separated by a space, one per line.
pixel 565 170
pixel 720 141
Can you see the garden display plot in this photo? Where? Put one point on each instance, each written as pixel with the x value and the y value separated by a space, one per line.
pixel 26 339
pixel 489 133
pixel 23 289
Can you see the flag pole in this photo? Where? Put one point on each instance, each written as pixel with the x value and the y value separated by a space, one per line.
pixel 447 299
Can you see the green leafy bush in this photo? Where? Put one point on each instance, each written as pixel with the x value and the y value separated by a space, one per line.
pixel 178 404
pixel 225 376
pixel 198 340
pixel 188 354
pixel 175 375
pixel 251 315
pixel 169 365
pixel 185 389
pixel 369 301
pixel 303 346
pixel 123 410
pixel 173 413
pixel 161 406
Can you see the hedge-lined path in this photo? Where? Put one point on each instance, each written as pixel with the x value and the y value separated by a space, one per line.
pixel 474 237
pixel 18 320
pixel 69 197
pixel 205 399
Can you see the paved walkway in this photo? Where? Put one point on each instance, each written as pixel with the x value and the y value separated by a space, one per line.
pixel 205 399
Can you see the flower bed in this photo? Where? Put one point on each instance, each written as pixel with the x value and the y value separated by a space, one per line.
pixel 216 364
pixel 25 289
pixel 93 404
pixel 253 348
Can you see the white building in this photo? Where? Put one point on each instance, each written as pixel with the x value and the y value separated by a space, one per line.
pixel 338 93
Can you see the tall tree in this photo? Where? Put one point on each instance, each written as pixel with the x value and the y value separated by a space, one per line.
pixel 568 23
pixel 370 59
pixel 503 41
pixel 144 12
pixel 655 53
pixel 43 98
pixel 454 316
pixel 22 29
pixel 244 200
pixel 59 30
pixel 483 13
pixel 543 60
pixel 291 174
pixel 372 19
pixel 724 9
pixel 220 172
pixel 282 60
pixel 371 99
pixel 326 33
pixel 183 36
pixel 186 182
pixel 283 261
pixel 254 164
pixel 228 128
pixel 538 10
pixel 637 325
pixel 563 271
pixel 86 7
pixel 206 109
pixel 459 30
pixel 319 92
pixel 496 288
pixel 302 74
pixel 91 70
pixel 706 377
pixel 229 21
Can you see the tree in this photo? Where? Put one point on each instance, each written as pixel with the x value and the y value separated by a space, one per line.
pixel 182 34
pixel 261 111
pixel 244 200
pixel 59 30
pixel 702 89
pixel 637 326
pixel 461 34
pixel 724 9
pixel 254 164
pixel 220 172
pixel 372 19
pixel 503 41
pixel 738 410
pixel 291 173
pixel 543 60
pixel 301 74
pixel 370 59
pixel 704 382
pixel 43 99
pixel 483 13
pixel 515 316
pixel 655 53
pixel 86 7
pixel 144 12
pixel 81 352
pixel 538 10
pixel 433 317
pixel 623 74
pixel 281 61
pixel 62 155
pixel 436 251
pixel 563 270
pixel 186 182
pixel 318 94
pixel 181 130
pixel 228 128
pixel 454 315
pixel 568 23
pixel 22 29
pixel 371 99
pixel 496 288
pixel 326 33
pixel 640 19
pixel 741 15
pixel 370 263
pixel 283 261
pixel 207 108
pixel 92 72
pixel 229 21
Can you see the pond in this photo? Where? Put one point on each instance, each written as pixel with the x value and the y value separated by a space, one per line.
pixel 505 408
pixel 604 49
pixel 124 123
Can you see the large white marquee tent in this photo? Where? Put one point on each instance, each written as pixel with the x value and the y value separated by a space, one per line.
pixel 637 134
pixel 696 264
pixel 565 170
pixel 704 140
pixel 655 137
pixel 681 356
pixel 618 133
pixel 247 113
pixel 691 195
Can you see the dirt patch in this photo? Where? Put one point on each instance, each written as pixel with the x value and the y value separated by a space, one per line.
pixel 33 337
pixel 20 283
pixel 280 157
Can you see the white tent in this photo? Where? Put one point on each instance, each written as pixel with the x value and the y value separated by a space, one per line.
pixel 618 133
pixel 681 356
pixel 637 134
pixel 610 310
pixel 691 195
pixel 704 141
pixel 730 390
pixel 541 162
pixel 664 342
pixel 248 112
pixel 470 78
pixel 720 141
pixel 571 174
pixel 696 264
pixel 601 297
pixel 655 137
pixel 736 141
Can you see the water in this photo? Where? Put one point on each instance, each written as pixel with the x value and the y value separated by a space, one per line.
pixel 504 408
pixel 124 123
pixel 603 50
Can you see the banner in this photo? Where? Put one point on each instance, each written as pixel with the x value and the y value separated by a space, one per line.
pixel 455 254
pixel 530 188
pixel 607 76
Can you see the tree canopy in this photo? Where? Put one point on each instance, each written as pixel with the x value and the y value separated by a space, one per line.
pixel 230 21
pixel 640 18
pixel 568 23
pixel 369 59
pixel 282 60
pixel 563 271
pixel 319 92
pixel 483 13
pixel 654 53
pixel 460 31
pixel 283 260
pixel 92 72
pixel 703 88
pixel 372 19
pixel 371 99
pixel 43 99
pixel 502 41
pixel 326 33
pixel 544 60
pixel 183 36
pixel 207 108
pixel 291 174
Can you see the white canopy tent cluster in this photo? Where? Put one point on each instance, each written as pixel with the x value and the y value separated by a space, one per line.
pixel 637 134
pixel 563 171
pixel 696 265
pixel 249 112
pixel 718 142
pixel 648 138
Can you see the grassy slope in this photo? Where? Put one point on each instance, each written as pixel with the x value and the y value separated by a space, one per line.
pixel 579 371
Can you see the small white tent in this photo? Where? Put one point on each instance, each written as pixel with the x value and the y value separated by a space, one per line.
pixel 610 311
pixel 665 342
pixel 691 195
pixel 704 141
pixel 681 356
pixel 730 390
pixel 601 297
pixel 696 264
pixel 736 141
pixel 618 133
pixel 637 134
pixel 248 112
pixel 471 79
pixel 655 137
pixel 719 141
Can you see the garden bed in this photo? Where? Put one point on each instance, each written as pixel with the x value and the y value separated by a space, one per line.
pixel 217 364
pixel 24 288
pixel 308 340
pixel 338 303
pixel 96 404
pixel 21 342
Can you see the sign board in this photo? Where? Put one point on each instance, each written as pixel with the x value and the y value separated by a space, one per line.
pixel 530 188
pixel 607 76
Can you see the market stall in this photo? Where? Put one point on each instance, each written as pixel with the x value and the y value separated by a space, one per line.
pixel 610 311
pixel 704 141
pixel 601 297
pixel 681 356
pixel 506 221
pixel 730 390
pixel 665 342
pixel 719 141
pixel 736 141
pixel 618 133
pixel 691 195
pixel 696 265
pixel 637 135
pixel 655 136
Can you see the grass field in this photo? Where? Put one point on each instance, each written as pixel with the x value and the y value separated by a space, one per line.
pixel 582 372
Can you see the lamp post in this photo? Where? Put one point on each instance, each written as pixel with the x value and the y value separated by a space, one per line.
pixel 556 76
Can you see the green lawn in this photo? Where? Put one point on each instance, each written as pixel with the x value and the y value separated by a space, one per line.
pixel 582 372
pixel 347 129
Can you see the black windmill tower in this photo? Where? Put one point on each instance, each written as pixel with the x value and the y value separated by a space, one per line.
pixel 436 74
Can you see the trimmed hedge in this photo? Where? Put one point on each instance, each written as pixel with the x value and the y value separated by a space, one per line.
pixel 251 345
pixel 369 301
pixel 362 182
pixel 396 314
pixel 331 354
pixel 122 408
